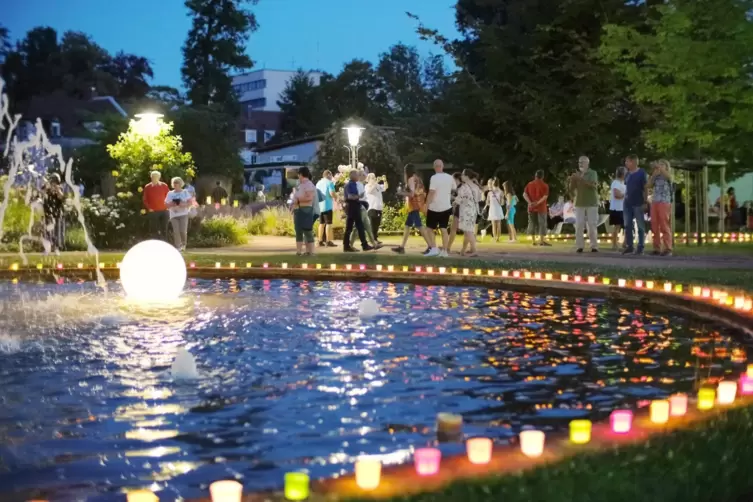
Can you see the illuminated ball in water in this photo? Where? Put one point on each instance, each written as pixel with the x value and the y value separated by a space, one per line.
pixel 153 271
pixel 368 308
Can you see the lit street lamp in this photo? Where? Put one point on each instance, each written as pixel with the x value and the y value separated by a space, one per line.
pixel 148 124
pixel 354 136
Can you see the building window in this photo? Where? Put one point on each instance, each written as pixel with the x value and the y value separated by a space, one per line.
pixel 250 136
pixel 268 135
pixel 289 158
pixel 256 104
pixel 250 86
pixel 55 129
pixel 275 158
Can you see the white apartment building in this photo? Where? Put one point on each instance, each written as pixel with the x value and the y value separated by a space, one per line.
pixel 259 90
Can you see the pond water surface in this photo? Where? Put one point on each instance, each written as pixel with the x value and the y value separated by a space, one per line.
pixel 292 378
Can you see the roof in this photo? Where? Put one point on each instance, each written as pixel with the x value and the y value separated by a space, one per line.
pixel 72 113
pixel 294 142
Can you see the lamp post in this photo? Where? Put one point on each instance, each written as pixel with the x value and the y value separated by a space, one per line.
pixel 354 136
pixel 148 123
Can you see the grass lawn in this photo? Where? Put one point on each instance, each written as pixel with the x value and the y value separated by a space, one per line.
pixel 741 278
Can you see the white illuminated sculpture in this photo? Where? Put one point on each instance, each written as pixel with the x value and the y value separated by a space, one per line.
pixel 153 271
pixel 368 308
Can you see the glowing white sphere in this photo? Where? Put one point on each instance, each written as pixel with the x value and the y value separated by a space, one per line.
pixel 153 271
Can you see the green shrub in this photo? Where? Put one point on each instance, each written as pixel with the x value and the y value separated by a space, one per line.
pixel 274 221
pixel 393 218
pixel 74 239
pixel 217 231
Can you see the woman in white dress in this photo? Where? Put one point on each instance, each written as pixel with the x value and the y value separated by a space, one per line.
pixel 494 202
pixel 468 199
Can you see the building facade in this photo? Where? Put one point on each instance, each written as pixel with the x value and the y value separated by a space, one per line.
pixel 260 90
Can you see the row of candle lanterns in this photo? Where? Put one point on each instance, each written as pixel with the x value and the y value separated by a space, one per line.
pixel 479 450
pixel 738 302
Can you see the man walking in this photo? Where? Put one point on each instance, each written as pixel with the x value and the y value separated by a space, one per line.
pixel 439 209
pixel 353 218
pixel 536 194
pixel 585 183
pixel 635 204
pixel 326 207
pixel 154 197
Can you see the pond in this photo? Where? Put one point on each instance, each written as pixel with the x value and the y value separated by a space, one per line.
pixel 292 378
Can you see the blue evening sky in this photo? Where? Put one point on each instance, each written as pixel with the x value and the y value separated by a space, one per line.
pixel 309 34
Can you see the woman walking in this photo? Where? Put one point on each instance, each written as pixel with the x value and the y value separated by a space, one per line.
pixel 494 203
pixel 304 198
pixel 512 201
pixel 458 177
pixel 660 183
pixel 179 202
pixel 374 191
pixel 467 202
pixel 616 204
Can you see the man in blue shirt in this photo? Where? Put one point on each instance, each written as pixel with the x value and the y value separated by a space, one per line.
pixel 635 205
pixel 353 217
pixel 327 187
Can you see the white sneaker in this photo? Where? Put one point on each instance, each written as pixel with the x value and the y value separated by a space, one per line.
pixel 432 253
pixel 443 254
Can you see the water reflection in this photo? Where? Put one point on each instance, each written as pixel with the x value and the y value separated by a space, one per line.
pixel 293 378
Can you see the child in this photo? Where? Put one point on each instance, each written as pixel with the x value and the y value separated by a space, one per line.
pixel 494 204
pixel 512 201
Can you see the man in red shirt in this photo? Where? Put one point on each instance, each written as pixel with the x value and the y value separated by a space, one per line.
pixel 155 194
pixel 536 193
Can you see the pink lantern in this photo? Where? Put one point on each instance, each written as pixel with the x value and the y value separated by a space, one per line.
pixel 418 268
pixel 638 283
pixel 427 461
pixel 362 267
pixel 678 405
pixel 621 421
pixel 746 385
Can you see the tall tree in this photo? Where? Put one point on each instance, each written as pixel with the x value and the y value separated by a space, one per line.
pixel 85 67
pixel 5 45
pixel 304 109
pixel 690 70
pixel 34 66
pixel 356 92
pixel 216 44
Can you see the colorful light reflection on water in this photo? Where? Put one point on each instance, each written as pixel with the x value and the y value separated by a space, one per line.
pixel 292 378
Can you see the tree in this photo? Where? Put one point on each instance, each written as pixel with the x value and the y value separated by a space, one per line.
pixel 91 163
pixel 5 45
pixel 303 107
pixel 130 73
pixel 137 154
pixel 356 91
pixel 210 134
pixel 34 66
pixel 215 45
pixel 166 96
pixel 690 71
pixel 530 91
pixel 84 65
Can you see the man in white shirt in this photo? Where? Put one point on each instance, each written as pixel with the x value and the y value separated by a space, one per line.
pixel 439 208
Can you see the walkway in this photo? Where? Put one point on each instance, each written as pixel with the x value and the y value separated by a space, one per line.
pixel 524 252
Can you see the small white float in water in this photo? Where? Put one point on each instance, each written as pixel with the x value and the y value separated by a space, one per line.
pixel 184 366
pixel 153 271
pixel 368 308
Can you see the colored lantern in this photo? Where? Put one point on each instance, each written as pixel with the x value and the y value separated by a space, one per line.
pixel 368 472
pixel 532 443
pixel 479 450
pixel 660 411
pixel 141 496
pixel 706 398
pixel 427 461
pixel 746 385
pixel 621 421
pixel 296 485
pixel 226 491
pixel 621 283
pixel 580 431
pixel 678 405
pixel 726 392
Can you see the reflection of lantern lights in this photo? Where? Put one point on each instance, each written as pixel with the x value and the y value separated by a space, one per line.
pixel 532 443
pixel 660 411
pixel 678 405
pixel 368 472
pixel 226 491
pixel 296 485
pixel 580 431
pixel 621 421
pixel 427 461
pixel 479 450
pixel 706 398
pixel 726 392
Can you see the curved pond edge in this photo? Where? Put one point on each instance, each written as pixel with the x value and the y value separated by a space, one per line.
pixel 564 466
